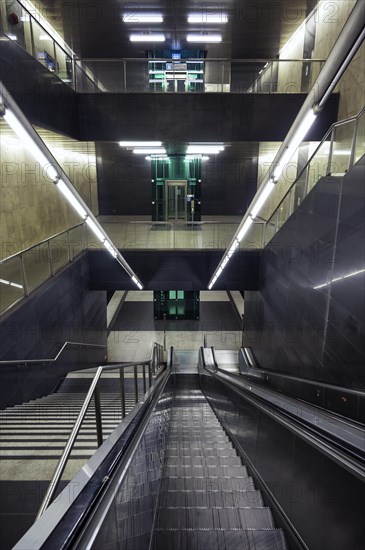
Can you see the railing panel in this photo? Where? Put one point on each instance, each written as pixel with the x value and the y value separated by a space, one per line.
pixel 59 252
pixel 37 265
pixel 342 145
pixel 360 138
pixel 318 165
pixel 11 283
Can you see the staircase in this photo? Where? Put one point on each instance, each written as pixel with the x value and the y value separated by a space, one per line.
pixel 33 436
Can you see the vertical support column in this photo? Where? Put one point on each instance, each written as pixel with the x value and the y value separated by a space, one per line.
pixel 135 384
pixel 144 377
pixel 122 391
pixel 99 426
pixel 49 257
pixel 24 276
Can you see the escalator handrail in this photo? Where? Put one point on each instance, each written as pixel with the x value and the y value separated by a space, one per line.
pixel 283 376
pixel 60 525
pixel 316 439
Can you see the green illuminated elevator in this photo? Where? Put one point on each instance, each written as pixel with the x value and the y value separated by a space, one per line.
pixel 176 188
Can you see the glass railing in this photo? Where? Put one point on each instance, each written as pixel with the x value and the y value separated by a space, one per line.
pixel 23 272
pixel 217 76
pixel 340 149
pixel 33 34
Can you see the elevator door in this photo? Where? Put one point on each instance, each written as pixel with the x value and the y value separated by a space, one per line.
pixel 176 84
pixel 176 199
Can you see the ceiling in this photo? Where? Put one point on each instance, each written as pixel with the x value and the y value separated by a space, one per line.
pixel 255 28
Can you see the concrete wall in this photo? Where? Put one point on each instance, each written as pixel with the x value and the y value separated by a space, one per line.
pixel 31 207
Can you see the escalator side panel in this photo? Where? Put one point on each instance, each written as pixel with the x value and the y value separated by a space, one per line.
pixel 322 500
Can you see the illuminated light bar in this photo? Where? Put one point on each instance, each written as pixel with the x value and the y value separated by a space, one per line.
pixel 202 149
pixel 136 282
pixel 28 142
pixel 294 144
pixel 150 151
pixel 135 17
pixel 157 157
pixel 204 38
pixel 262 198
pixel 9 283
pixel 196 156
pixel 233 248
pixel 206 17
pixel 94 228
pixel 140 143
pixel 110 248
pixel 12 37
pixel 44 37
pixel 352 274
pixel 67 193
pixel 147 38
pixel 244 229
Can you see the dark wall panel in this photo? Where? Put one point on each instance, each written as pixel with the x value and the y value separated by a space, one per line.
pixel 62 309
pixel 171 270
pixel 196 117
pixel 292 325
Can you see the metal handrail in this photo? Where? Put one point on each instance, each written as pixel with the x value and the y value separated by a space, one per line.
pixel 328 133
pixel 94 391
pixel 53 359
pixel 25 250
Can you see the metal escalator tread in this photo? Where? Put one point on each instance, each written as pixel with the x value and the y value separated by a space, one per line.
pixel 206 497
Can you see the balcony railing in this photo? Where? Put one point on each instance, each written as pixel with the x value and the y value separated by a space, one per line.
pixel 33 34
pixel 339 150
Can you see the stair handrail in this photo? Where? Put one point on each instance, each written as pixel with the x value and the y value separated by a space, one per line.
pixel 328 133
pixel 94 391
pixel 53 359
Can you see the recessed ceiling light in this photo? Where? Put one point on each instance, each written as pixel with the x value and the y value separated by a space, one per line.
pixel 135 17
pixel 206 17
pixel 150 151
pixel 147 38
pixel 204 38
pixel 140 143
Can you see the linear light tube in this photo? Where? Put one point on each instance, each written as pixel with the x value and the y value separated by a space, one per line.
pixel 147 38
pixel 44 37
pixel 206 17
pixel 28 142
pixel 262 198
pixel 135 17
pixel 201 149
pixel 71 198
pixel 94 228
pixel 244 229
pixel 149 151
pixel 12 37
pixel 5 282
pixel 140 143
pixel 136 282
pixel 110 248
pixel 340 278
pixel 294 144
pixel 204 38
pixel 233 248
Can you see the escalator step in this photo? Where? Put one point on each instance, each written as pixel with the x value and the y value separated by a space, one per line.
pixel 219 540
pixel 213 498
pixel 205 471
pixel 207 484
pixel 214 518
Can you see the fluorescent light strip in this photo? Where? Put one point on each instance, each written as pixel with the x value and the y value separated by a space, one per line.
pixel 294 144
pixel 151 151
pixel 204 38
pixel 147 38
pixel 352 274
pixel 262 198
pixel 136 282
pixel 140 143
pixel 12 37
pixel 94 228
pixel 30 145
pixel 206 17
pixel 201 149
pixel 244 229
pixel 110 248
pixel 135 17
pixel 71 198
pixel 9 283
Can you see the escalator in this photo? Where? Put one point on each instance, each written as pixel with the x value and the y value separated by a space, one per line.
pixel 177 476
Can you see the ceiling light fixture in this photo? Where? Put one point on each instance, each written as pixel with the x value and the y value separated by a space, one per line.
pixel 135 17
pixel 140 143
pixel 206 17
pixel 67 193
pixel 147 37
pixel 204 38
pixel 150 151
